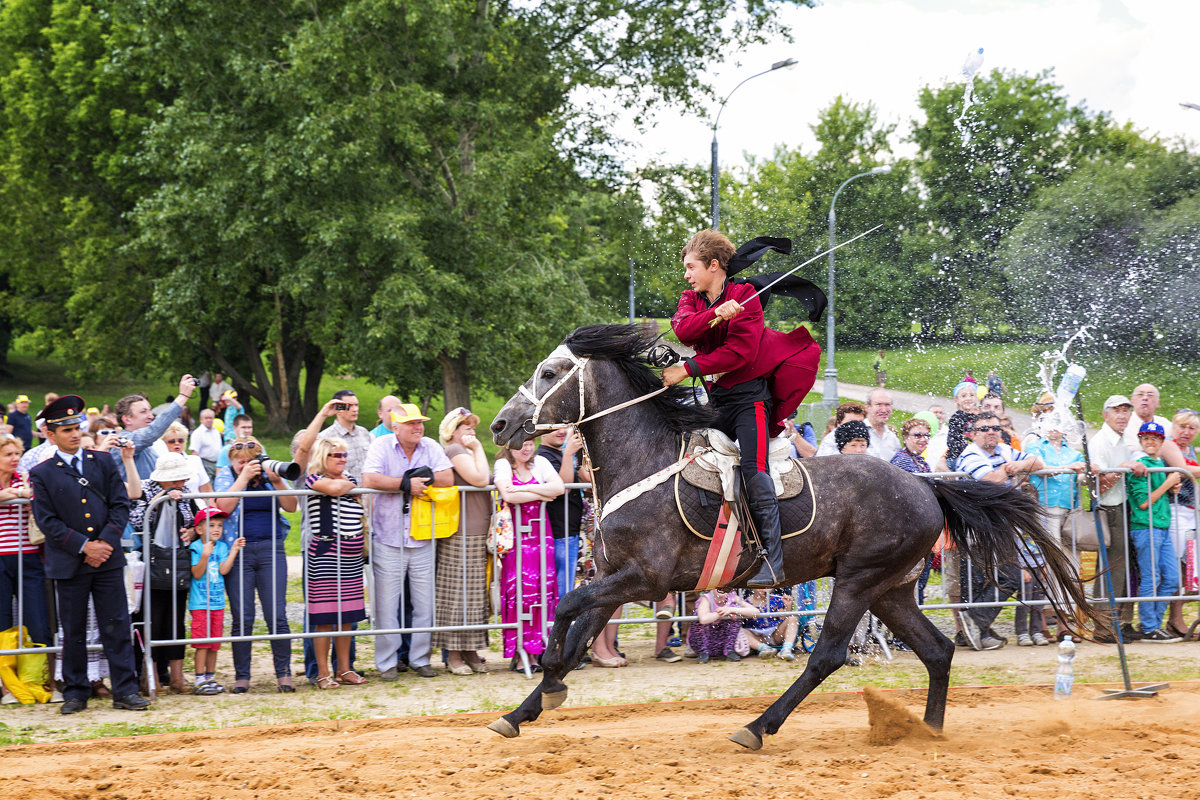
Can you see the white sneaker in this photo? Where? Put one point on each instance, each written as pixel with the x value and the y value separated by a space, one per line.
pixel 688 652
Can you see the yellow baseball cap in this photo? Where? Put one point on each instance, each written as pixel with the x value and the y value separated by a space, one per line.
pixel 21 398
pixel 408 412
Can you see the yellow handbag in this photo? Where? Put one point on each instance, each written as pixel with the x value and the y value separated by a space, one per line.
pixel 440 504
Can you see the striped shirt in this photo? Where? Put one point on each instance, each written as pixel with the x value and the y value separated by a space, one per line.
pixel 332 518
pixel 978 463
pixel 14 523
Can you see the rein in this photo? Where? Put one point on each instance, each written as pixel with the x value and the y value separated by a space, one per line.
pixel 532 426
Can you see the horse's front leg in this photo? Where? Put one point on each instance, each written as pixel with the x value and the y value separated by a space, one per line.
pixel 580 616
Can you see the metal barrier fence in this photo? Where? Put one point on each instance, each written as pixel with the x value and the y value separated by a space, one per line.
pixel 533 615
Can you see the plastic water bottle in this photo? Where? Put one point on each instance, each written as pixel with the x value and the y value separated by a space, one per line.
pixel 1068 386
pixel 972 63
pixel 1065 679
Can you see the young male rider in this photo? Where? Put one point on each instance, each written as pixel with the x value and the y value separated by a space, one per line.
pixel 759 375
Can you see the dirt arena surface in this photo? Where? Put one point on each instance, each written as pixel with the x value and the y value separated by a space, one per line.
pixel 999 742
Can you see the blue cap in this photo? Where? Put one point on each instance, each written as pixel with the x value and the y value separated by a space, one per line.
pixel 1152 428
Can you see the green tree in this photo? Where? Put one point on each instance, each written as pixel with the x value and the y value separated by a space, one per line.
pixel 436 196
pixel 979 180
pixel 398 189
pixel 1114 246
pixel 73 104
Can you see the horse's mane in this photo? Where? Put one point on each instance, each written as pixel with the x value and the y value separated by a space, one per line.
pixel 626 346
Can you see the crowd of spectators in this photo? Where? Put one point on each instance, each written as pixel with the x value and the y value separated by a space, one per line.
pixel 362 558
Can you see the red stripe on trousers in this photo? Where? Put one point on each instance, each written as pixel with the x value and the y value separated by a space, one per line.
pixel 760 437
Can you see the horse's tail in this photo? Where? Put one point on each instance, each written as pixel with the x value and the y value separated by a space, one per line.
pixel 986 522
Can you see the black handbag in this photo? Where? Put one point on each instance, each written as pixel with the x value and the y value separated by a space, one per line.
pixel 170 568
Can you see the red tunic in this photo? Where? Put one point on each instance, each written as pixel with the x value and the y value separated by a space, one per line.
pixel 743 348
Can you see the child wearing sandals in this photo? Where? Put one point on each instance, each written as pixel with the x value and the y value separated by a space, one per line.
pixel 763 632
pixel 721 614
pixel 211 560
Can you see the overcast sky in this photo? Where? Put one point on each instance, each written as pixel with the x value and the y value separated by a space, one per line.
pixel 1136 59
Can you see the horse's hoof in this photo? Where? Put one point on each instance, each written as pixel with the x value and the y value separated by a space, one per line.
pixel 747 739
pixel 504 728
pixel 552 700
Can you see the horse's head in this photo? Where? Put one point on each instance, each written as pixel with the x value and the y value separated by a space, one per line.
pixel 551 398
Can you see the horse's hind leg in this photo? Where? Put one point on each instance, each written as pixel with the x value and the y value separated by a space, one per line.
pixel 898 610
pixel 850 599
pixel 551 691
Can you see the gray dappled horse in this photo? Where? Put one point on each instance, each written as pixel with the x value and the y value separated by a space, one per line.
pixel 874 523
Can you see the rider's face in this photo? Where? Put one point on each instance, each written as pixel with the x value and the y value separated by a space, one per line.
pixel 703 278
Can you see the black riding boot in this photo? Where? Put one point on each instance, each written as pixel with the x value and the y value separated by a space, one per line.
pixel 764 507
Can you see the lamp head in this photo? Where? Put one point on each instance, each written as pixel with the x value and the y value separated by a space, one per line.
pixel 882 170
pixel 790 62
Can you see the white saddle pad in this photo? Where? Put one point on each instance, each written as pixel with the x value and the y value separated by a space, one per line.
pixel 725 456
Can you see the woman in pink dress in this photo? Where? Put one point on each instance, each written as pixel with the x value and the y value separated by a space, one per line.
pixel 526 481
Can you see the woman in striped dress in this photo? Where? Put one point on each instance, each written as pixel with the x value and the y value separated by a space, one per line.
pixel 334 563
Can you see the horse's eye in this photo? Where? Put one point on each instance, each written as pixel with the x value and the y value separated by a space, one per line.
pixel 547 374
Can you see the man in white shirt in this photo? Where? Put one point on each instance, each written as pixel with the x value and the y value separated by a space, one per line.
pixel 1109 449
pixel 219 385
pixel 884 442
pixel 206 442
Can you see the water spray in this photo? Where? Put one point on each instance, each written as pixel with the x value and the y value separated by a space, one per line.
pixel 969 68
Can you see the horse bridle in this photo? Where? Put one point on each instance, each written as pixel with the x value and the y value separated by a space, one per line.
pixel 531 426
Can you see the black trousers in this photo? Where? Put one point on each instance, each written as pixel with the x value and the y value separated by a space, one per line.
pixel 978 587
pixel 748 423
pixel 107 590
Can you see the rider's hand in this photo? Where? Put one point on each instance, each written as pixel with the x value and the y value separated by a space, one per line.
pixel 728 310
pixel 674 374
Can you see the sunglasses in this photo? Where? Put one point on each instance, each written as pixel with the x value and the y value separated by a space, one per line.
pixel 919 435
pixel 1186 411
pixel 107 432
pixel 339 455
pixel 172 441
pixel 244 446
pixel 982 428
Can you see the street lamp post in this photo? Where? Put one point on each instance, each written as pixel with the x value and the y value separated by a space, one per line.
pixel 830 395
pixel 715 180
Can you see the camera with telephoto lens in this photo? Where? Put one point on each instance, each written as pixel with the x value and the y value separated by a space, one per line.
pixel 288 470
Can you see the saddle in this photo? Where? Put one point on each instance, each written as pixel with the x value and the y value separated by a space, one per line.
pixel 709 477
pixel 714 466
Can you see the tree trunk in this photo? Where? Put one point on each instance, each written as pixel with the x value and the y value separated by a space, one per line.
pixel 456 381
pixel 314 370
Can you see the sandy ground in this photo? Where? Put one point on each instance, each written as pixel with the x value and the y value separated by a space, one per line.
pixel 1000 741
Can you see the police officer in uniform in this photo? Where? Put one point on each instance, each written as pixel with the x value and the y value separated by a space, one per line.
pixel 81 506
